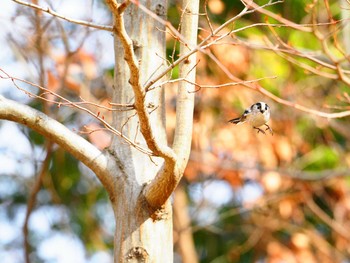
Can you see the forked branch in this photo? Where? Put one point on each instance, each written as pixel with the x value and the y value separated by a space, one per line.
pixel 160 189
pixel 139 92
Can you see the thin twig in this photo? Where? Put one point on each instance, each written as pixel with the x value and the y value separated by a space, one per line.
pixel 199 47
pixel 200 86
pixel 84 102
pixel 275 16
pixel 257 87
pixel 54 13
pixel 207 16
pixel 72 104
pixel 126 122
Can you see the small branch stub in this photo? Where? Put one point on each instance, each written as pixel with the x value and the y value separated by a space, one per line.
pixel 137 254
pixel 160 10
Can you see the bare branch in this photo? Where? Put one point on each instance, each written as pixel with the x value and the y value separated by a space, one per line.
pixel 120 107
pixel 54 13
pixel 58 133
pixel 185 100
pixel 257 87
pixel 279 18
pixel 199 86
pixel 131 60
pixel 207 16
pixel 293 51
pixel 199 47
pixel 160 189
pixel 123 6
pixel 64 101
pixel 287 52
pixel 306 28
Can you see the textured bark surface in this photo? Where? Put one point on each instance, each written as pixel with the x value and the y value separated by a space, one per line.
pixel 139 237
pixel 139 182
pixel 165 183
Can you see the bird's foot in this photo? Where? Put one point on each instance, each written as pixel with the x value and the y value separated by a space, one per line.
pixel 269 128
pixel 260 130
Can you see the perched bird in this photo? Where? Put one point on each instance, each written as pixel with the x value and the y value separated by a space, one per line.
pixel 257 115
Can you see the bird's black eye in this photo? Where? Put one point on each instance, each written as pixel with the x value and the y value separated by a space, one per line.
pixel 258 106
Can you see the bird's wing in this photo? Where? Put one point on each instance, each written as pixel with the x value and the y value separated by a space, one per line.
pixel 235 120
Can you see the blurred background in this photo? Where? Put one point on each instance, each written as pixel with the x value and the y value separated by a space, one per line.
pixel 245 197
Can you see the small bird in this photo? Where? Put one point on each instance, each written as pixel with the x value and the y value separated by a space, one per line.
pixel 257 115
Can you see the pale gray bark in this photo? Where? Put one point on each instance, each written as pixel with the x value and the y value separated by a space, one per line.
pixel 165 182
pixel 139 185
pixel 185 94
pixel 145 225
pixel 137 235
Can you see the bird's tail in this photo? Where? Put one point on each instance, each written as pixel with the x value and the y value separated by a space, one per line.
pixel 235 121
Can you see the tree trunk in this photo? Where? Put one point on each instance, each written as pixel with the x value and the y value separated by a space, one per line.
pixel 139 238
pixel 139 172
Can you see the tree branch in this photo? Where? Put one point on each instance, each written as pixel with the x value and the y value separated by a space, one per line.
pixel 257 87
pixel 140 105
pixel 200 46
pixel 66 102
pixel 250 7
pixel 185 98
pixel 54 13
pixel 279 18
pixel 160 189
pixel 53 130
